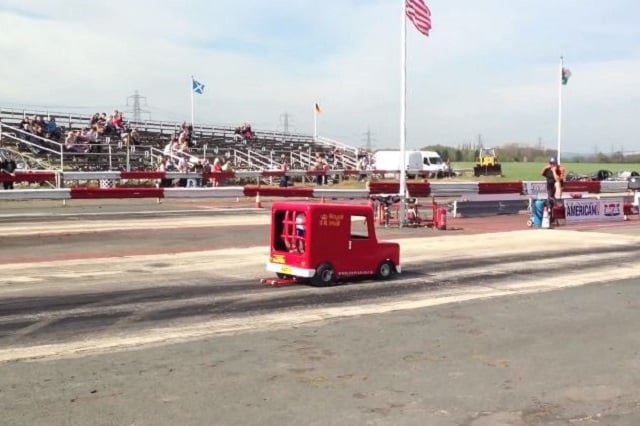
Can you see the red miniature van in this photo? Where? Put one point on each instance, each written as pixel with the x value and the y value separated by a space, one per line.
pixel 326 242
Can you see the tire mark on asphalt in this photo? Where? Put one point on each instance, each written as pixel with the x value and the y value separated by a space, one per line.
pixel 49 319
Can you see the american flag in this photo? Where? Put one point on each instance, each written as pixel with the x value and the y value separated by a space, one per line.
pixel 420 15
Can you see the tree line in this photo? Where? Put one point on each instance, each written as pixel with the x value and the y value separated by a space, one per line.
pixel 527 154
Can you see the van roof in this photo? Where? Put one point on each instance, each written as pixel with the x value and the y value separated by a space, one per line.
pixel 312 207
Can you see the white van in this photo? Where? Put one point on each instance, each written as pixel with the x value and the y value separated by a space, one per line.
pixel 389 161
pixel 432 163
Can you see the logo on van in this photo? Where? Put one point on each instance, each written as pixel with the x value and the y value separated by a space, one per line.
pixel 331 220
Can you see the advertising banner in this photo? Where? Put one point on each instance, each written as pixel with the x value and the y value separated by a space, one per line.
pixel 593 210
pixel 535 188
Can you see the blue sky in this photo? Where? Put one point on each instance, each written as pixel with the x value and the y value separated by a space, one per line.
pixel 489 68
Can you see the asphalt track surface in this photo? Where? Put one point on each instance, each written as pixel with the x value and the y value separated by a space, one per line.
pixel 139 313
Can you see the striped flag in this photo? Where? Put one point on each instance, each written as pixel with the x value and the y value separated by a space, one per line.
pixel 420 15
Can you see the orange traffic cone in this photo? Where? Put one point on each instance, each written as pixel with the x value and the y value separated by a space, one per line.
pixel 258 202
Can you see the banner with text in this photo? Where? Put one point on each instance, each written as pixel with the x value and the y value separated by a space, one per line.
pixel 535 188
pixel 592 210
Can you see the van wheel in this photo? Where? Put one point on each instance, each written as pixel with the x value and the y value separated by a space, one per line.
pixel 385 270
pixel 325 275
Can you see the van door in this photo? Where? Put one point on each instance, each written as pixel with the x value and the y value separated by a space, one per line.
pixel 362 247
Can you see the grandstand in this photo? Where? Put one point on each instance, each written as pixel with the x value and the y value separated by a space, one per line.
pixel 265 150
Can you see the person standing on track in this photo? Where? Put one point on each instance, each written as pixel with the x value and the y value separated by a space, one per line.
pixel 554 174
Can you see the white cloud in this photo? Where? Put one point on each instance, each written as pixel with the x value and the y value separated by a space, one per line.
pixel 487 68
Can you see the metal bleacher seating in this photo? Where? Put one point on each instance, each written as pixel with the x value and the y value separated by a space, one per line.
pixel 109 153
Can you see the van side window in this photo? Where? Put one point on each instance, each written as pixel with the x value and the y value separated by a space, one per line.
pixel 290 231
pixel 278 231
pixel 359 227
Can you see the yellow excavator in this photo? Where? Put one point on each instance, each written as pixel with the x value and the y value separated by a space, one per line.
pixel 487 164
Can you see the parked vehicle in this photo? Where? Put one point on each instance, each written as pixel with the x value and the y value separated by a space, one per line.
pixel 432 164
pixel 324 243
pixel 390 162
pixel 487 163
pixel 426 163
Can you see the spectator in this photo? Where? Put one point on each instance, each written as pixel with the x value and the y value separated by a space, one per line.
pixel 284 166
pixel 8 167
pixel 216 169
pixel 72 144
pixel 161 166
pixel 118 120
pixel 362 166
pixel 54 132
pixel 184 139
pixel 183 167
pixel 243 133
pixel 321 164
pixel 554 174
pixel 171 148
pixel 134 137
pixel 198 168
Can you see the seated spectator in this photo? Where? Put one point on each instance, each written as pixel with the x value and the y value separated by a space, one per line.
pixel 171 148
pixel 94 119
pixel 134 137
pixel 72 143
pixel 54 132
pixel 39 127
pixel 243 133
pixel 117 120
pixel 247 133
pixel 87 137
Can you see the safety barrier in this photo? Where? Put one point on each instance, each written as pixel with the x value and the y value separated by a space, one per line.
pixel 29 177
pixel 503 192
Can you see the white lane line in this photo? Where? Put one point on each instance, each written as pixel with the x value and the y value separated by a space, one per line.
pixel 94 226
pixel 275 321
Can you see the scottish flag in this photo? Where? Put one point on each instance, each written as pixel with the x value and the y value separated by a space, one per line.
pixel 197 86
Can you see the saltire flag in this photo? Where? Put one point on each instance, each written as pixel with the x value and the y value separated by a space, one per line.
pixel 566 73
pixel 317 107
pixel 197 86
pixel 420 15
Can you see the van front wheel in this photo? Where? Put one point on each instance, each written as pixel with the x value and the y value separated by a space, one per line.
pixel 385 270
pixel 324 276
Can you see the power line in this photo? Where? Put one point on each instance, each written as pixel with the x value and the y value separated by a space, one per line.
pixel 137 108
pixel 369 139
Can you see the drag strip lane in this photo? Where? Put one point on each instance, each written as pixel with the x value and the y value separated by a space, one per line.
pixel 184 297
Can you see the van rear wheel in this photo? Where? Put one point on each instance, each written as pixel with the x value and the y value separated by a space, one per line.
pixel 324 276
pixel 385 270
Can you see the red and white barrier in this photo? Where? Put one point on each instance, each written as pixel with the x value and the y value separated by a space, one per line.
pixel 418 189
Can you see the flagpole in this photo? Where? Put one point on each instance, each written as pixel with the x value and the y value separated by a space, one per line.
pixel 560 109
pixel 403 111
pixel 192 108
pixel 315 121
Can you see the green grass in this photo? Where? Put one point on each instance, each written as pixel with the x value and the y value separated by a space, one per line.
pixel 531 171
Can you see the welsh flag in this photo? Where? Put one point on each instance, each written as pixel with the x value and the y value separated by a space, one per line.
pixel 565 75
